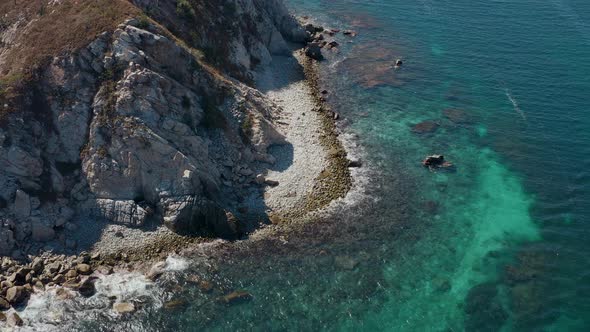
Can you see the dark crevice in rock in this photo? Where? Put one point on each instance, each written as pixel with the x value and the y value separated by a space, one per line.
pixel 67 168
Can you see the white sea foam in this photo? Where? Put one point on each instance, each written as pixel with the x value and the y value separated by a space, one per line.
pixel 515 104
pixel 124 286
pixel 47 311
pixel 176 263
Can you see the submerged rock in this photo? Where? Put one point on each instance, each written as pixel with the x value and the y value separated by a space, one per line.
pixel 434 160
pixel 175 304
pixel 438 162
pixel 483 309
pixel 425 127
pixel 236 297
pixel 346 262
pixel 205 286
pixel 457 116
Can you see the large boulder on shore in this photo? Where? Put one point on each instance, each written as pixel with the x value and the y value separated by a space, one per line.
pixel 314 51
pixel 14 320
pixel 4 305
pixel 16 294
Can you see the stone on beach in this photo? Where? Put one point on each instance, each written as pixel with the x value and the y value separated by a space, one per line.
pixel 355 163
pixel 64 294
pixel 124 308
pixel 259 179
pixel 83 269
pixel 14 320
pixel 16 294
pixel 271 183
pixel 156 271
pixel 4 305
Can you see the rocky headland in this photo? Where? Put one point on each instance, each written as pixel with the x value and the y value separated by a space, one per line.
pixel 132 129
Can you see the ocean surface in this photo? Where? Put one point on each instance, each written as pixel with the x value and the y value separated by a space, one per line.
pixel 499 243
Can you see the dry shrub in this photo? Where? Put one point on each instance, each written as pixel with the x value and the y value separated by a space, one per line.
pixel 55 29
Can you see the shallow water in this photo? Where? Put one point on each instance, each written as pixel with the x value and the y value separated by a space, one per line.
pixel 499 244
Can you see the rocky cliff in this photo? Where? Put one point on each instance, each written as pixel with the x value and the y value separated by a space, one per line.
pixel 132 112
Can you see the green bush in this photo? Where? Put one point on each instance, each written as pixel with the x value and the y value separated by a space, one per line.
pixel 8 83
pixel 143 21
pixel 185 9
pixel 246 127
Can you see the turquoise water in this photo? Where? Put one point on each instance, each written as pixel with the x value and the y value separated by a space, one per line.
pixel 501 243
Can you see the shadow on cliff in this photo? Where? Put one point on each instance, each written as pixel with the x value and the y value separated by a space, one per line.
pixel 283 72
pixel 284 155
pixel 249 206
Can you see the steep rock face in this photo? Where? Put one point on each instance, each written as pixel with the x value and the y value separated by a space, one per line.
pixel 236 35
pixel 137 126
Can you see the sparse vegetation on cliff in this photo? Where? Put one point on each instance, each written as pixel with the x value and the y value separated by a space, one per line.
pixel 72 24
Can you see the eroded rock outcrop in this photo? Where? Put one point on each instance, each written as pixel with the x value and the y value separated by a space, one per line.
pixel 140 126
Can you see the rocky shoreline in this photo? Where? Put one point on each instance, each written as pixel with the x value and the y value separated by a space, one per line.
pixel 20 278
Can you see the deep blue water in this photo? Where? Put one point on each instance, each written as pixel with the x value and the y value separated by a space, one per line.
pixel 502 243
